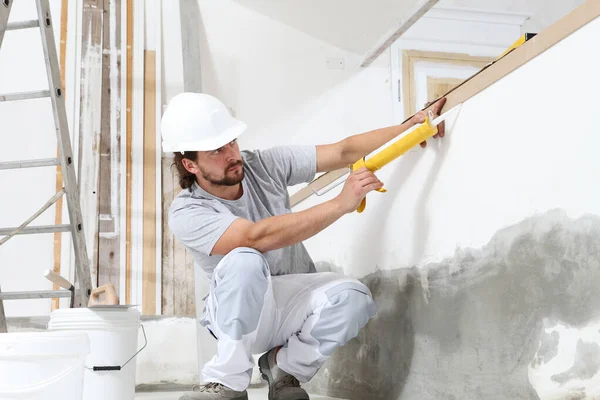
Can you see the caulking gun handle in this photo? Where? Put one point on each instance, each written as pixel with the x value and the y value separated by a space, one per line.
pixel 59 280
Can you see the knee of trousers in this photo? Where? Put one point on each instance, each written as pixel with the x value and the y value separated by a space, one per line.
pixel 240 287
pixel 349 308
pixel 243 262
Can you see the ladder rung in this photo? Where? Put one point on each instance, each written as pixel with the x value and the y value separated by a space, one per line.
pixel 13 26
pixel 38 294
pixel 44 162
pixel 38 229
pixel 24 95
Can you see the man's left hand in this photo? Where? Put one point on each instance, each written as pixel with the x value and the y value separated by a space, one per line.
pixel 419 118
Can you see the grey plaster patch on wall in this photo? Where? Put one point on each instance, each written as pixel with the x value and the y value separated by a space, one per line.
pixel 586 365
pixel 476 328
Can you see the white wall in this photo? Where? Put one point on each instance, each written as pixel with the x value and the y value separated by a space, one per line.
pixel 28 133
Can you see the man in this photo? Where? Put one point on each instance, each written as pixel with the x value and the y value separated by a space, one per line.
pixel 234 218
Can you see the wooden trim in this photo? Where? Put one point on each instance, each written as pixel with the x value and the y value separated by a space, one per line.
pixel 137 155
pixel 169 184
pixel 90 126
pixel 450 57
pixel 109 232
pixel 322 182
pixel 433 82
pixel 123 119
pixel 64 20
pixel 150 167
pixel 580 17
pixel 189 11
pixel 406 78
pixel 129 149
pixel 411 57
pixel 158 155
pixel 411 17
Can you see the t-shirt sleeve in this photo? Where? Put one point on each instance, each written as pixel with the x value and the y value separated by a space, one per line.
pixel 291 165
pixel 198 226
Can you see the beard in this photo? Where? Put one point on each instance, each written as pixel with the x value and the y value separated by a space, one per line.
pixel 227 180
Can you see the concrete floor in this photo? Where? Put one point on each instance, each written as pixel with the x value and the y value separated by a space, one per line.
pixel 253 394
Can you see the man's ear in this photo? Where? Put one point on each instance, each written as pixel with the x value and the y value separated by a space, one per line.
pixel 190 166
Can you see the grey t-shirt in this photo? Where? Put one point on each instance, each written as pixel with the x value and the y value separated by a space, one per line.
pixel 198 219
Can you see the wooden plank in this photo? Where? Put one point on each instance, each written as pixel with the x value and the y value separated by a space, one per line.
pixel 190 297
pixel 190 42
pixel 106 222
pixel 179 279
pixel 149 208
pixel 580 17
pixel 178 284
pixel 64 20
pixel 318 184
pixel 110 155
pixel 406 79
pixel 410 18
pixel 168 183
pixel 90 125
pixel 129 147
pixel 178 267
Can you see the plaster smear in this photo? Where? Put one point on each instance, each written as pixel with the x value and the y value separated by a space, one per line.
pixel 517 319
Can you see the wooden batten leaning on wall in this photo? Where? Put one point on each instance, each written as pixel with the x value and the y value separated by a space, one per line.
pixel 128 150
pixel 109 187
pixel 149 206
pixel 64 19
pixel 144 184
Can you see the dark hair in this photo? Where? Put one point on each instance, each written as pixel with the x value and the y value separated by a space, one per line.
pixel 186 178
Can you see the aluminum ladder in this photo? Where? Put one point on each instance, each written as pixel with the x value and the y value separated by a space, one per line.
pixel 65 160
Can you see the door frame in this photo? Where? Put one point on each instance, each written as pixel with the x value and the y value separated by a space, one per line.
pixel 411 57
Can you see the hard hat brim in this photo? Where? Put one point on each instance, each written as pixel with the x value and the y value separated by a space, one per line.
pixel 209 144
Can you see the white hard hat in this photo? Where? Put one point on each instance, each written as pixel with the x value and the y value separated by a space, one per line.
pixel 198 122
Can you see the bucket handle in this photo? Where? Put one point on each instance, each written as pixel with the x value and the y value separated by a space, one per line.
pixel 120 367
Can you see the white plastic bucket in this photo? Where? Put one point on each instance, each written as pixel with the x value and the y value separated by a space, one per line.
pixel 42 365
pixel 113 334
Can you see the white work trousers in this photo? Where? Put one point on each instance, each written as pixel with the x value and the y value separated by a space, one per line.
pixel 251 312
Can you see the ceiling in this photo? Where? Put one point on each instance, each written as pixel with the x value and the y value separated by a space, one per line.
pixel 353 25
pixel 358 25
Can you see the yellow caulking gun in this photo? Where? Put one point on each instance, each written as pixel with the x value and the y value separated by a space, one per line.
pixel 415 137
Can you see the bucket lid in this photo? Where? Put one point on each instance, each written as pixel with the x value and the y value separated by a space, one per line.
pixel 52 344
pixel 110 317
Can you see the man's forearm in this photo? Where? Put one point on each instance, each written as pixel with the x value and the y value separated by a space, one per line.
pixel 285 230
pixel 357 146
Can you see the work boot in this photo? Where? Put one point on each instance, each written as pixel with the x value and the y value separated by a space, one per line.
pixel 214 391
pixel 282 386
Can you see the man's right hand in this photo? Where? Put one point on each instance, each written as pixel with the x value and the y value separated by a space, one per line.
pixel 358 184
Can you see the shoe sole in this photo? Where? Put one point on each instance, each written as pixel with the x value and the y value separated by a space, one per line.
pixel 263 367
pixel 189 397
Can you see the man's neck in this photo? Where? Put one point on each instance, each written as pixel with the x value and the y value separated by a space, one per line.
pixel 222 191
